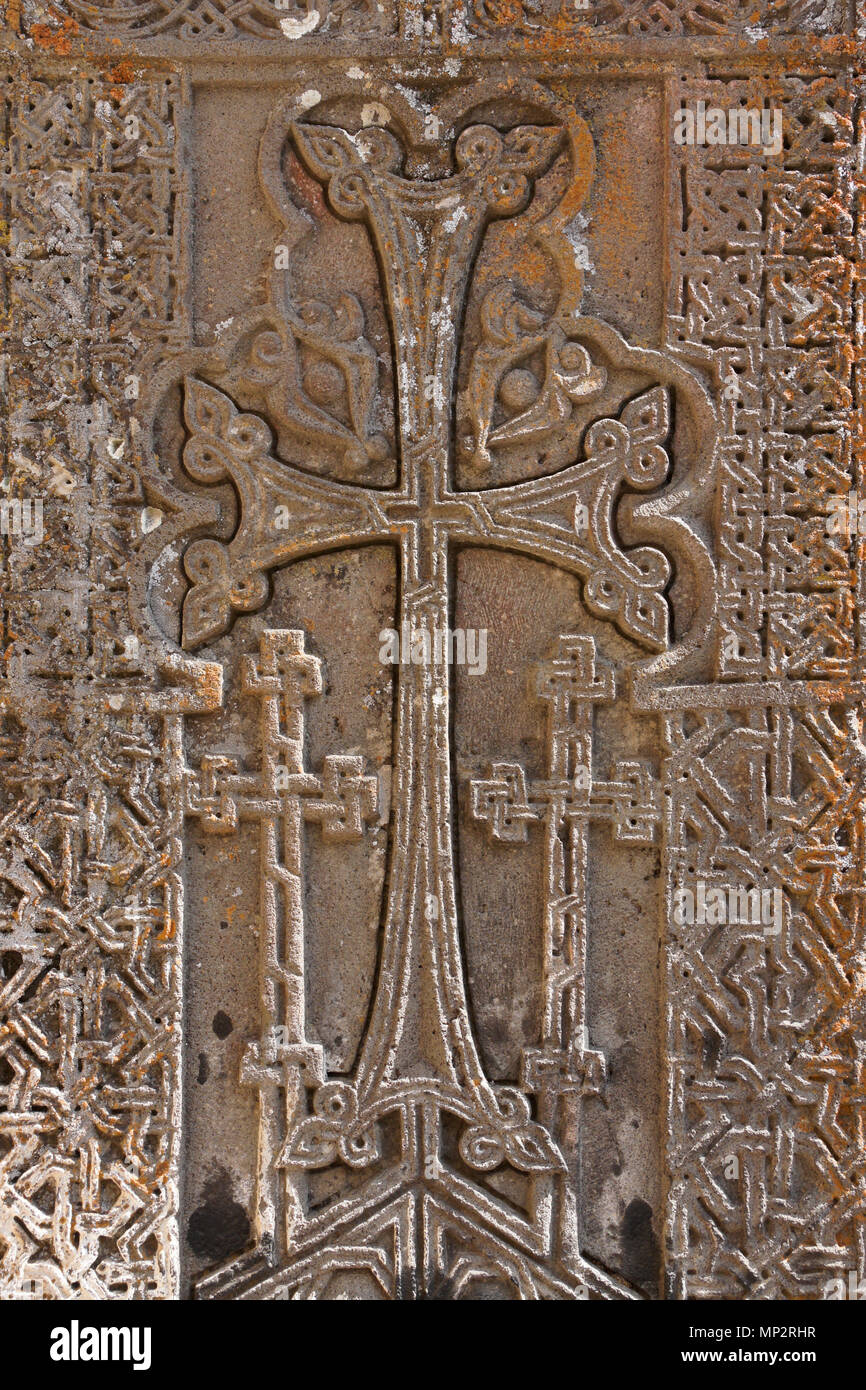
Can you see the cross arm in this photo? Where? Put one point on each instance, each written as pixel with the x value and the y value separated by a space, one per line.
pixel 631 800
pixel 285 514
pixel 343 799
pixel 567 518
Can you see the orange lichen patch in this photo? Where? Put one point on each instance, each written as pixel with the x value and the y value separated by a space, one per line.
pixel 121 74
pixel 620 203
pixel 12 14
pixel 846 45
pixel 210 685
pixel 510 251
pixel 122 71
pixel 55 40
pixel 309 189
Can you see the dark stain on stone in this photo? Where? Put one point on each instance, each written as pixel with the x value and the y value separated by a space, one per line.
pixel 712 1046
pixel 222 1024
pixel 640 1249
pixel 10 961
pixel 219 1227
pixel 203 1068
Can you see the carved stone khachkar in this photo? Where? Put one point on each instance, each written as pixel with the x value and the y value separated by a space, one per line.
pixel 333 967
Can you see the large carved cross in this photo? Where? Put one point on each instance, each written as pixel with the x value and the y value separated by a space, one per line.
pixel 419 1053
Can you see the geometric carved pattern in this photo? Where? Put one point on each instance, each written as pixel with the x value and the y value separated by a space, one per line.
pixel 91 999
pixel 266 19
pixel 663 18
pixel 91 899
pixel 228 19
pixel 762 296
pixel 765 1029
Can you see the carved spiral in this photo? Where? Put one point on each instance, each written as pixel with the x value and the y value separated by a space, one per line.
pixel 206 562
pixel 249 436
pixel 507 192
pixel 336 1102
pixel 476 146
pixel 380 148
pixel 603 592
pixel 481 1149
pixel 206 460
pixel 251 592
pixel 348 193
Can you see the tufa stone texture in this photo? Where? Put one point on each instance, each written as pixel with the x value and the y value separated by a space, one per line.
pixel 431 758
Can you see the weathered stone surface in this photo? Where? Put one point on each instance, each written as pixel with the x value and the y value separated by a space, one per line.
pixel 335 963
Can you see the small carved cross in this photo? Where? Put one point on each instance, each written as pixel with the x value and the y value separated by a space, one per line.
pixel 565 801
pixel 280 797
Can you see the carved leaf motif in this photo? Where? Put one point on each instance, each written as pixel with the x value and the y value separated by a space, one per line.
pixel 528 1148
pixel 207 410
pixel 647 419
pixel 326 379
pixel 503 384
pixel 512 1136
pixel 206 608
pixel 221 443
pixel 531 1150
pixel 312 1144
pixel 333 1131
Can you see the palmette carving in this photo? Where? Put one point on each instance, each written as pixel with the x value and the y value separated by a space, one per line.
pixel 321 378
pixel 513 332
